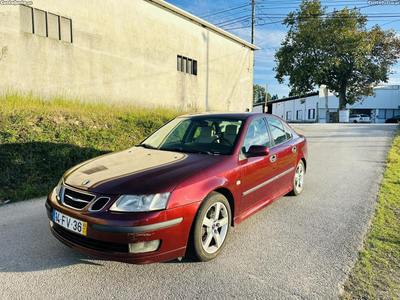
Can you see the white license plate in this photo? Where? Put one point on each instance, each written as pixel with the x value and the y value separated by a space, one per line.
pixel 69 222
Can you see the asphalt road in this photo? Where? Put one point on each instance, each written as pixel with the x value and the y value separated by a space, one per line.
pixel 296 248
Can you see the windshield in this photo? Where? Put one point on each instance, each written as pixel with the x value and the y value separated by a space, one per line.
pixel 206 135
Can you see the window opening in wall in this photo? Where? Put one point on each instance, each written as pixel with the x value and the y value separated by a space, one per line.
pixel 184 68
pixel 186 65
pixel 194 67
pixel 39 17
pixel 299 115
pixel 26 18
pixel 46 24
pixel 311 113
pixel 66 29
pixel 53 26
pixel 178 63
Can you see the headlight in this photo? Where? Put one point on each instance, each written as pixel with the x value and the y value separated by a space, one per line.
pixel 58 188
pixel 137 203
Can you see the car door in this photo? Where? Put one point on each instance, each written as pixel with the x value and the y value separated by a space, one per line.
pixel 285 151
pixel 257 171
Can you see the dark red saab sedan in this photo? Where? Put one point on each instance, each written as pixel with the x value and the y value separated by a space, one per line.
pixel 180 190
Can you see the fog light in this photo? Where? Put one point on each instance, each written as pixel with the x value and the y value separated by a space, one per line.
pixel 144 247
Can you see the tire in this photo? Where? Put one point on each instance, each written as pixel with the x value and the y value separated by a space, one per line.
pixel 355 121
pixel 210 232
pixel 298 179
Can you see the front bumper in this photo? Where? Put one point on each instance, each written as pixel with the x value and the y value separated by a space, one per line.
pixel 110 233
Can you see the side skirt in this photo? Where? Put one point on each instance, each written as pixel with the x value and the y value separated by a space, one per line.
pixel 252 210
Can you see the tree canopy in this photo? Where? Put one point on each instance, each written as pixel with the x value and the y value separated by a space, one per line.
pixel 337 50
pixel 274 97
pixel 259 94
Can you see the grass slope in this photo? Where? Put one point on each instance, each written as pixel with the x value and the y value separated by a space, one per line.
pixel 40 140
pixel 377 272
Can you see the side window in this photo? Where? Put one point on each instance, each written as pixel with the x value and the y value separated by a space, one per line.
pixel 277 130
pixel 257 134
pixel 288 132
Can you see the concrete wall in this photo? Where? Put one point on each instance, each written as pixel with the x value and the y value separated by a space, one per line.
pixel 126 51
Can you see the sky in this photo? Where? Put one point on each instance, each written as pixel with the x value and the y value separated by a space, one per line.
pixel 234 16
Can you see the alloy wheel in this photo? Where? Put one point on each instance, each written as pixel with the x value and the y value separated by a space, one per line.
pixel 299 178
pixel 214 227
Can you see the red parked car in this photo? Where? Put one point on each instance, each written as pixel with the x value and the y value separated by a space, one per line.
pixel 180 190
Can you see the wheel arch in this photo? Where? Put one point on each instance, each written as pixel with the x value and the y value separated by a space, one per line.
pixel 305 164
pixel 229 196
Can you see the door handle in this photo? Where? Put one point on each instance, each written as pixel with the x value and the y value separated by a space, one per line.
pixel 272 158
pixel 294 149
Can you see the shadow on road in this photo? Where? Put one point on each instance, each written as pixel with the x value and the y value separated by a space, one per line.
pixel 27 243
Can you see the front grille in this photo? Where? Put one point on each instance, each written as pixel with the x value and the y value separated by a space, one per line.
pixel 76 199
pixel 90 243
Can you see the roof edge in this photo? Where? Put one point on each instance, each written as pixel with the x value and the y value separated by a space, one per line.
pixel 193 18
pixel 287 99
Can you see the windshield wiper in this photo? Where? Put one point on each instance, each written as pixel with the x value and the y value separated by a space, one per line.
pixel 190 150
pixel 147 146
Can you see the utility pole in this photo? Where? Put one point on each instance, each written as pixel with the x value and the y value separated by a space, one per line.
pixel 253 20
pixel 266 99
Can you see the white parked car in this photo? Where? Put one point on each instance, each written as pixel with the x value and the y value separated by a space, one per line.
pixel 359 119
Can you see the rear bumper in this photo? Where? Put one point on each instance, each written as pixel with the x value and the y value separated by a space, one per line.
pixel 109 234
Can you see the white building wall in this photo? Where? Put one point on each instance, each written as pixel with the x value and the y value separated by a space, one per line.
pixel 258 108
pixel 386 98
pixel 279 109
pixel 287 110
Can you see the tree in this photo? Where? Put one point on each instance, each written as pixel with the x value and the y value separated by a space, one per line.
pixel 274 97
pixel 259 94
pixel 337 50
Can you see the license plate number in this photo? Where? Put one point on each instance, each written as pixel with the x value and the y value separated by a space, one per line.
pixel 70 223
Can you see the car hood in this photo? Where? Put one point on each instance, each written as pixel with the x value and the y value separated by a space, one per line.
pixel 137 171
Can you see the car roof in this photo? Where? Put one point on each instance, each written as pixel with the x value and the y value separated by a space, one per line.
pixel 228 115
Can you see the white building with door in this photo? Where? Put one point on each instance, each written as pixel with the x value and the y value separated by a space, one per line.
pixel 322 106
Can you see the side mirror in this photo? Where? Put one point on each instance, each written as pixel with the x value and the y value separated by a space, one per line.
pixel 257 151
